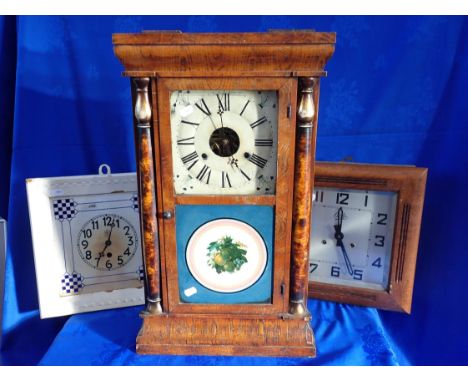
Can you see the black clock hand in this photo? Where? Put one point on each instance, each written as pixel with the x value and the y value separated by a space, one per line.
pixel 339 239
pixel 220 113
pixel 108 242
pixel 212 122
pixel 339 222
pixel 339 217
pixel 347 261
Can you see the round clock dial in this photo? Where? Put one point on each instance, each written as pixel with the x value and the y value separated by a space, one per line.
pixel 352 234
pixel 107 242
pixel 224 142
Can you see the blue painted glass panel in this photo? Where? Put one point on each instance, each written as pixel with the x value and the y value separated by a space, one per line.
pixel 190 217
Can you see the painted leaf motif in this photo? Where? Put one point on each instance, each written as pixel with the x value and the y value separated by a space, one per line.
pixel 225 255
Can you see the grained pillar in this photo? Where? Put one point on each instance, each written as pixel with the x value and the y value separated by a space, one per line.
pixel 147 199
pixel 303 186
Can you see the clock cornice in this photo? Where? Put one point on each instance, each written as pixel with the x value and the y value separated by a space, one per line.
pixel 267 54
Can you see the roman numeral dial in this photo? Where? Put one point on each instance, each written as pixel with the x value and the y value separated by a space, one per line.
pixel 258 122
pixel 225 181
pixel 224 142
pixel 257 160
pixel 203 107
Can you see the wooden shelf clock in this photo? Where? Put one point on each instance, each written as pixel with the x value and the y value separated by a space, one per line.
pixel 225 128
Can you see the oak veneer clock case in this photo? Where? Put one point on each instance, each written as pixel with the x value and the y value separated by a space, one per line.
pixel 365 233
pixel 225 128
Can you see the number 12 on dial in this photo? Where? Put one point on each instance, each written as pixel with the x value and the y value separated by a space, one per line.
pixel 351 239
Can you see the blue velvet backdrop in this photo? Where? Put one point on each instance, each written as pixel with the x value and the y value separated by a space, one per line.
pixel 396 93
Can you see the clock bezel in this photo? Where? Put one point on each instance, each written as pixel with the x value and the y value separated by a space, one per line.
pixel 268 169
pixel 281 202
pixel 96 218
pixel 409 183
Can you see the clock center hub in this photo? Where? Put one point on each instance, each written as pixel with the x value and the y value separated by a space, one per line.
pixel 224 142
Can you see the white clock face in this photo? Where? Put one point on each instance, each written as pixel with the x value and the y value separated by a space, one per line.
pixel 352 235
pixel 224 142
pixel 107 242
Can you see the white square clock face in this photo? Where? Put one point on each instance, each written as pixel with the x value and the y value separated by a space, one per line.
pixel 352 236
pixel 99 241
pixel 224 142
pixel 86 239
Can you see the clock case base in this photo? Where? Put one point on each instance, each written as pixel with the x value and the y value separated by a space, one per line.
pixel 227 336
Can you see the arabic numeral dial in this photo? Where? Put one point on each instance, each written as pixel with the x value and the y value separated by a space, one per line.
pixel 351 241
pixel 107 242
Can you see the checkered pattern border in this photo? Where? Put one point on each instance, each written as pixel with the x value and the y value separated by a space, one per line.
pixel 141 272
pixel 135 202
pixel 72 283
pixel 64 209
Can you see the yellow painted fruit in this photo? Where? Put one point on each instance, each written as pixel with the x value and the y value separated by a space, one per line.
pixel 219 260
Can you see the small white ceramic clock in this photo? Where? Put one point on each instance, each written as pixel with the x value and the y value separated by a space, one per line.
pixel 224 142
pixel 352 234
pixel 87 251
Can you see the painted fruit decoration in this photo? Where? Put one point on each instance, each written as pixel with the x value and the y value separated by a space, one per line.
pixel 225 255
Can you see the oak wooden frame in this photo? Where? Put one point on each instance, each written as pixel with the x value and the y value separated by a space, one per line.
pixel 290 62
pixel 409 183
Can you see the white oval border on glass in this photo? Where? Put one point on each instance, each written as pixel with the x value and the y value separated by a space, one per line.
pixel 225 282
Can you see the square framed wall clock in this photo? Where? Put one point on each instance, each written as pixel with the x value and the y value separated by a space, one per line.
pixel 86 240
pixel 225 128
pixel 365 231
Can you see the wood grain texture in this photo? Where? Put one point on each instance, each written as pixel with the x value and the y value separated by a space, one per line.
pixel 246 38
pixel 281 201
pixel 147 196
pixel 158 189
pixel 225 335
pixel 258 200
pixel 231 61
pixel 224 54
pixel 410 183
pixel 303 189
pixel 148 208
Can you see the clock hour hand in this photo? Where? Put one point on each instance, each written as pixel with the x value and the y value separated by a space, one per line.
pixel 339 219
pixel 339 222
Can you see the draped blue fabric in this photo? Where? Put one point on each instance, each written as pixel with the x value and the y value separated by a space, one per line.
pixel 396 93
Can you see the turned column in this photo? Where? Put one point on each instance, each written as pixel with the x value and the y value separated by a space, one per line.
pixel 147 195
pixel 306 124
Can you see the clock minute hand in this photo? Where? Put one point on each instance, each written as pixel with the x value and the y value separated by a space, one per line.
pixel 220 113
pixel 108 242
pixel 339 240
pixel 347 261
